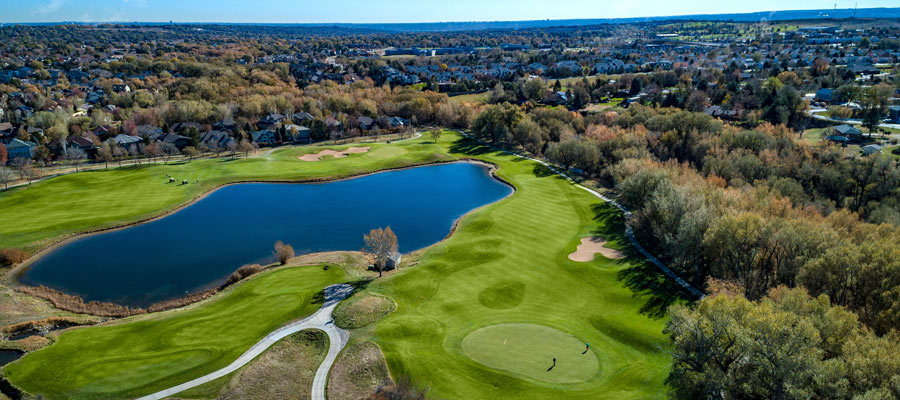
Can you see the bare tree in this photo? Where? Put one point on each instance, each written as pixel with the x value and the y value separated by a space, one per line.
pixel 28 172
pixel 232 146
pixel 190 152
pixel 6 176
pixel 75 154
pixel 284 252
pixel 245 147
pixel 381 244
pixel 168 150
pixel 436 134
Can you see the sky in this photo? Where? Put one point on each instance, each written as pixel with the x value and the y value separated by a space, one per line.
pixel 386 11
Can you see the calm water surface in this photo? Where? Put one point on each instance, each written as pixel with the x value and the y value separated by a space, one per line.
pixel 199 246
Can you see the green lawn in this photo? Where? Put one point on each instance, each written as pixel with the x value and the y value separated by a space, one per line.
pixel 471 98
pixel 505 264
pixel 162 350
pixel 32 217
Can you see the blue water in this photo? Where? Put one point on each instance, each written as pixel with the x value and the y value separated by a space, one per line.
pixel 199 246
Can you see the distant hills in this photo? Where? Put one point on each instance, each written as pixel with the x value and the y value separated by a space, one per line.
pixel 822 14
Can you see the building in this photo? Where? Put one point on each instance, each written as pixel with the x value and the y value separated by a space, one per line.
pixel 870 149
pixel 847 131
pixel 297 134
pixel 895 113
pixel 263 137
pixel 19 149
pixel 825 95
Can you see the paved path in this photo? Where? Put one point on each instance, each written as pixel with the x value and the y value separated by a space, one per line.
pixel 629 232
pixel 322 319
pixel 815 114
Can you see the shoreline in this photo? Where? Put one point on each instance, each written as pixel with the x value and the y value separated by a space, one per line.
pixel 12 276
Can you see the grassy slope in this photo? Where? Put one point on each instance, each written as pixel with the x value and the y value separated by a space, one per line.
pixel 513 252
pixel 522 241
pixel 61 206
pixel 162 350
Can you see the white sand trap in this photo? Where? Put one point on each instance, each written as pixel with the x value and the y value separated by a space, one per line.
pixel 336 154
pixel 592 245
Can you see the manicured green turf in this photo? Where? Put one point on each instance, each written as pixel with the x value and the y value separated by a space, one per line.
pixel 159 351
pixel 48 210
pixel 529 350
pixel 505 264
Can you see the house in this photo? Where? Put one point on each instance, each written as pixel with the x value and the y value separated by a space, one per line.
pixel 121 88
pixel 227 124
pixel 181 127
pixel 128 142
pixel 263 136
pixel 847 131
pixel 365 123
pixel 82 143
pixel 19 149
pixel 297 134
pixel 825 95
pixel 103 131
pixel 838 139
pixel 397 122
pixel 178 141
pixel 6 129
pixel 302 118
pixel 393 261
pixel 148 130
pixel 333 124
pixel 870 149
pixel 557 98
pixel 270 120
pixel 216 139
pixel 895 113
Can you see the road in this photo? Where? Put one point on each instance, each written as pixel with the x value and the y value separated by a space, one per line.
pixel 815 114
pixel 321 319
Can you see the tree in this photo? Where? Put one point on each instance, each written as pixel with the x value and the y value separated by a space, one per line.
pixel 496 121
pixel 284 252
pixel 246 147
pixel 105 154
pixel 27 171
pixel 191 152
pixel 574 153
pixel 6 176
pixel 436 134
pixel 381 244
pixel 4 155
pixel 839 112
pixel 75 154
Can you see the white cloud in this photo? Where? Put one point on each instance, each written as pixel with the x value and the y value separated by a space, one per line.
pixel 137 3
pixel 51 7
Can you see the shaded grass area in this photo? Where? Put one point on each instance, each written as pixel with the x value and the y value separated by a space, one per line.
pixel 151 353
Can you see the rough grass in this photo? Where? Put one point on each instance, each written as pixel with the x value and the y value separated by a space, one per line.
pixel 362 310
pixel 285 371
pixel 358 372
pixel 154 352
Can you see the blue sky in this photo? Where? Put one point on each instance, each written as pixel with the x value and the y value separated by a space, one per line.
pixel 384 11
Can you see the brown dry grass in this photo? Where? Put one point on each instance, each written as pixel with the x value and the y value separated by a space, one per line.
pixel 358 372
pixel 285 371
pixel 331 153
pixel 362 310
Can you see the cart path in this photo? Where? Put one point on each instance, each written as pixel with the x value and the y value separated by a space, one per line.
pixel 321 319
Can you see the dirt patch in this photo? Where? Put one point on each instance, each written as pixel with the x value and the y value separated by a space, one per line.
pixel 358 373
pixel 592 245
pixel 285 371
pixel 331 153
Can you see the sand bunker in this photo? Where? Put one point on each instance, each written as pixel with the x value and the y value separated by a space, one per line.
pixel 336 154
pixel 591 246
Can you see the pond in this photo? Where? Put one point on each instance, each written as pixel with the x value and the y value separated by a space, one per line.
pixel 200 245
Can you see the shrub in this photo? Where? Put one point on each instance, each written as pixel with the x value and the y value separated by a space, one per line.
pixel 284 252
pixel 12 256
pixel 242 273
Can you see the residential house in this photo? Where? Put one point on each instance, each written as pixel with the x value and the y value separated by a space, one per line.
pixel 302 118
pixel 365 123
pixel 895 113
pixel 178 141
pixel 19 149
pixel 227 125
pixel 82 143
pixel 847 131
pixel 128 142
pixel 397 122
pixel 181 127
pixel 825 95
pixel 870 149
pixel 121 88
pixel 270 121
pixel 333 124
pixel 263 137
pixel 148 130
pixel 297 134
pixel 216 139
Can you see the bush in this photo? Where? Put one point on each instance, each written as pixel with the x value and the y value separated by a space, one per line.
pixel 12 256
pixel 242 273
pixel 284 252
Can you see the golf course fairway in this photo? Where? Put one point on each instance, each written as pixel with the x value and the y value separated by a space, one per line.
pixel 504 271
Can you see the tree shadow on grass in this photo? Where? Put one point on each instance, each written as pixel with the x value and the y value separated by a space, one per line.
pixel 641 276
pixel 470 147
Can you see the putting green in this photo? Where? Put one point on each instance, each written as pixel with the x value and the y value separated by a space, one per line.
pixel 529 349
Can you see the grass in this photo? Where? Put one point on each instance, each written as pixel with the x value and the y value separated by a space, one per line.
pixel 471 97
pixel 144 355
pixel 505 264
pixel 358 372
pixel 528 350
